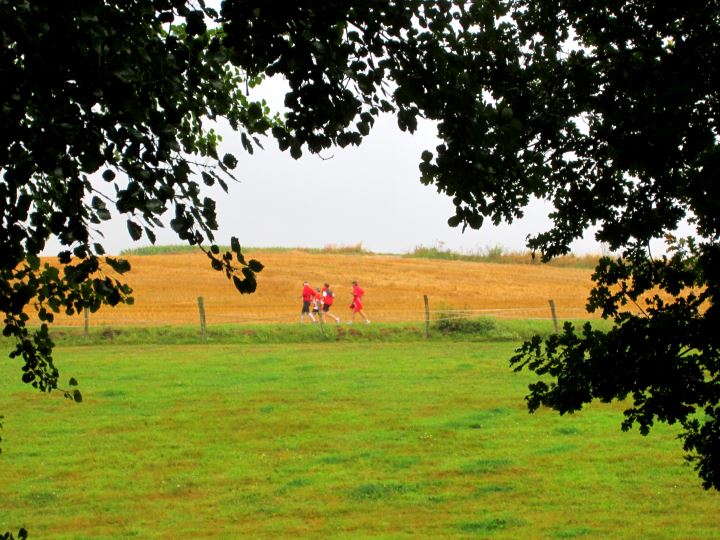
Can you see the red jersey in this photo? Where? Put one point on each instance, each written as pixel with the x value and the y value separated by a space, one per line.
pixel 327 296
pixel 308 294
pixel 357 292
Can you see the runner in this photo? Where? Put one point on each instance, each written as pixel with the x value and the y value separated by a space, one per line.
pixel 307 296
pixel 316 301
pixel 357 306
pixel 328 297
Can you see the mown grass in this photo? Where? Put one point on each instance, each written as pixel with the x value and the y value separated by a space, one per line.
pixel 448 327
pixel 426 439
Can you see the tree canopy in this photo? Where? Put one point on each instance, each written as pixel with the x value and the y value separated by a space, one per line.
pixel 607 110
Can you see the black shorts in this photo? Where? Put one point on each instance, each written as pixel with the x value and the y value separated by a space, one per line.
pixel 306 307
pixel 326 307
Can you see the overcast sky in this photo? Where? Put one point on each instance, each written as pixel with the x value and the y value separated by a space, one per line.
pixel 369 194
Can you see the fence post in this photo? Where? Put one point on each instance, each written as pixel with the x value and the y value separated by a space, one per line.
pixel 321 322
pixel 554 314
pixel 427 316
pixel 87 322
pixel 201 308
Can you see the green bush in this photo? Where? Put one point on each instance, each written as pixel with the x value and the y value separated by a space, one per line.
pixel 457 322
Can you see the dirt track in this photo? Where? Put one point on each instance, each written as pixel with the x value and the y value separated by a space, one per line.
pixel 166 288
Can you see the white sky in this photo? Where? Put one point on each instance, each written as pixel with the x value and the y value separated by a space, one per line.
pixel 369 194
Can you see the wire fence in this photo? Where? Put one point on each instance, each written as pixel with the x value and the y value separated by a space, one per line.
pixel 205 315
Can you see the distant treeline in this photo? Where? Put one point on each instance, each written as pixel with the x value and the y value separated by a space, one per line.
pixel 496 254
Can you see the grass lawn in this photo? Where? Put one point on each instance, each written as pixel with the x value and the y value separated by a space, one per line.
pixel 317 440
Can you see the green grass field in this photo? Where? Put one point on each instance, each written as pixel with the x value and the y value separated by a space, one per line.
pixel 425 439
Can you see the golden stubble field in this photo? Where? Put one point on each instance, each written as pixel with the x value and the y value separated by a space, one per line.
pixel 167 287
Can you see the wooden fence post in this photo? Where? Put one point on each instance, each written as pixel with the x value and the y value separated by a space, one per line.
pixel 321 322
pixel 201 308
pixel 427 316
pixel 554 314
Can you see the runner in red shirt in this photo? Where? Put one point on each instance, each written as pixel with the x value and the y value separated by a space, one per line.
pixel 328 297
pixel 307 297
pixel 357 306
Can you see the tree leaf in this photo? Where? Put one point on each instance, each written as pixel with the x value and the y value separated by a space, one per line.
pixel 230 161
pixel 134 229
pixel 255 265
pixel 119 265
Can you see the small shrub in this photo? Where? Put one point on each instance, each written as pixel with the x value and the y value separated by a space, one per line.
pixel 353 249
pixel 433 253
pixel 109 333
pixel 494 253
pixel 457 322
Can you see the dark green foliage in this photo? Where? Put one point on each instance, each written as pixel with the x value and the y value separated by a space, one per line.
pixel 112 89
pixel 21 535
pixel 665 360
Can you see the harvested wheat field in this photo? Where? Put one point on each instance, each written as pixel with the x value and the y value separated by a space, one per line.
pixel 167 287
